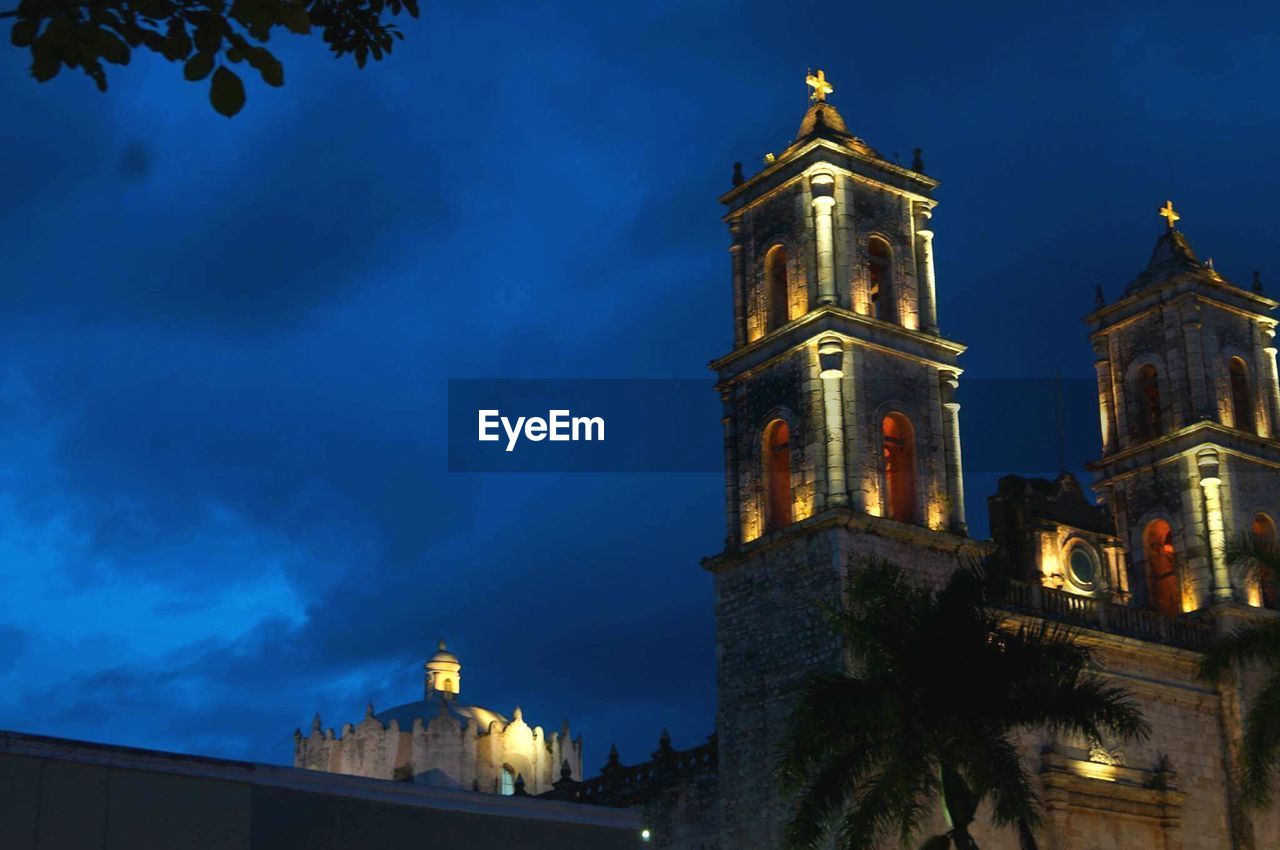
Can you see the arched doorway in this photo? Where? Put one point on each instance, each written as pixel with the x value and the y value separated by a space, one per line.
pixel 899 467
pixel 1162 568
pixel 777 470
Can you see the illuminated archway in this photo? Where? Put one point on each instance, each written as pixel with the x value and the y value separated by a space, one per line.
pixel 1264 535
pixel 507 782
pixel 899 446
pixel 777 471
pixel 1162 567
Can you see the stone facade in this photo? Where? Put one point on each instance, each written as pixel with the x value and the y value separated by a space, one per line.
pixel 841 442
pixel 443 742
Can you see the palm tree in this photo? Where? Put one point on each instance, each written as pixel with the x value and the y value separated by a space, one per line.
pixel 940 684
pixel 1246 646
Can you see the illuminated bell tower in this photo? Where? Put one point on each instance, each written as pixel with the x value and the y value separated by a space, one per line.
pixel 841 426
pixel 1190 412
pixel 837 357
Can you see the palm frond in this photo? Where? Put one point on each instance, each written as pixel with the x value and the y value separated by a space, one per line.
pixel 1248 644
pixel 1260 557
pixel 1262 742
pixel 995 769
pixel 892 799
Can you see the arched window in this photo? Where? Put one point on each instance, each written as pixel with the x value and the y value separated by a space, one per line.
pixel 1264 534
pixel 879 279
pixel 775 281
pixel 1162 567
pixel 1241 407
pixel 508 781
pixel 777 471
pixel 1150 418
pixel 899 467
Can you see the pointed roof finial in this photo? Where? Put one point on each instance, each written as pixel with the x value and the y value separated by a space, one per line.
pixel 517 714
pixel 1257 283
pixel 821 88
pixel 738 177
pixel 1099 299
pixel 917 160
pixel 1169 215
pixel 368 710
pixel 316 723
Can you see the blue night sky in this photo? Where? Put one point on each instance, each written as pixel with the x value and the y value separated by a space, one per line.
pixel 225 343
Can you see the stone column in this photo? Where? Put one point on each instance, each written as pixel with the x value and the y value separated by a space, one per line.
pixel 1106 404
pixel 739 284
pixel 823 187
pixel 949 382
pixel 1200 400
pixel 1273 379
pixel 928 294
pixel 1211 485
pixel 831 363
pixel 732 507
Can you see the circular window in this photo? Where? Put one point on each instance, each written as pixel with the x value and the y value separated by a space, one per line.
pixel 1084 568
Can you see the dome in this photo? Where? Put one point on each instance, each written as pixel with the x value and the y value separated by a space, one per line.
pixel 443 654
pixel 427 709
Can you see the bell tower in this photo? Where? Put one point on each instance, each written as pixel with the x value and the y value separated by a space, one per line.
pixel 841 426
pixel 1190 412
pixel 840 390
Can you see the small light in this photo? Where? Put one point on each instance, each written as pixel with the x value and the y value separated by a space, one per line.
pixel 646 836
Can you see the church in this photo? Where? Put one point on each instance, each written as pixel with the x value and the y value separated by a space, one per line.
pixel 841 424
pixel 444 742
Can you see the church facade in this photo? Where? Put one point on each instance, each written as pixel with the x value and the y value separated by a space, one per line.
pixel 443 742
pixel 842 441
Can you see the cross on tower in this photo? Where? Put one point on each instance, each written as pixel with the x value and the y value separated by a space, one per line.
pixel 821 88
pixel 1169 214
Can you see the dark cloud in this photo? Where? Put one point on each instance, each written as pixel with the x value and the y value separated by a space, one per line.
pixel 136 161
pixel 13 642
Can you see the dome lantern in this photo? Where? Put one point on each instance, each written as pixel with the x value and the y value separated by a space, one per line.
pixel 443 674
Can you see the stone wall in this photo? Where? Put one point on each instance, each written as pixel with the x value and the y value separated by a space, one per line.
pixel 771 636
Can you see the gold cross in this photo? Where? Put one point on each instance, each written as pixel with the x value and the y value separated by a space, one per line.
pixel 821 88
pixel 1169 214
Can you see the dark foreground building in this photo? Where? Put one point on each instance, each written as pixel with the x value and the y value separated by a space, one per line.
pixel 57 794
